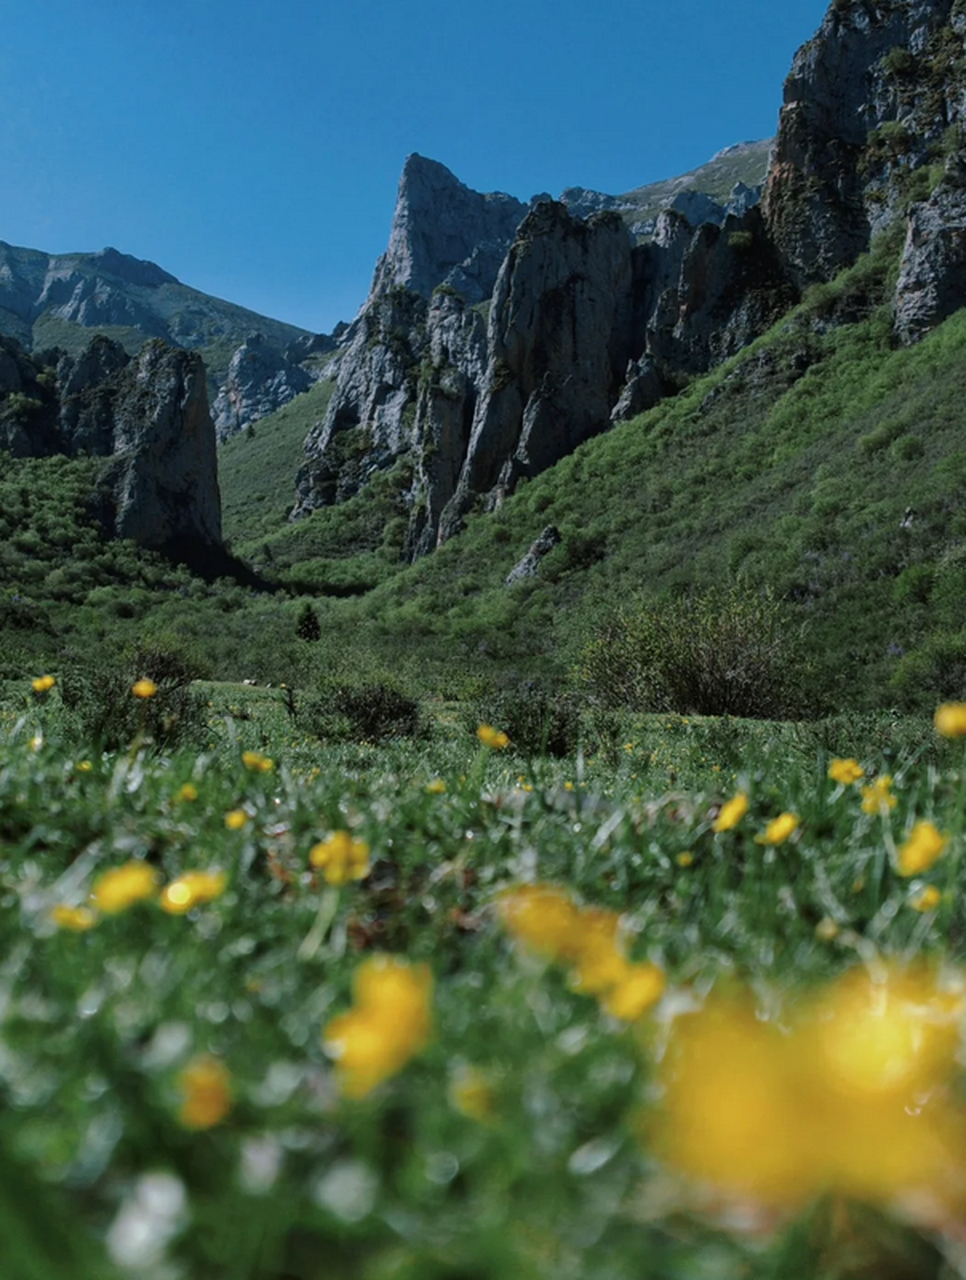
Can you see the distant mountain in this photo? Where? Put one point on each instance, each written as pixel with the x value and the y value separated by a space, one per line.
pixel 730 182
pixel 57 300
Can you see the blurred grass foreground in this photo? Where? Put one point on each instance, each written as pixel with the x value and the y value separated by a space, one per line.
pixel 437 1009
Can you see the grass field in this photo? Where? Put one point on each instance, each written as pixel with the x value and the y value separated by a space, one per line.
pixel 280 1008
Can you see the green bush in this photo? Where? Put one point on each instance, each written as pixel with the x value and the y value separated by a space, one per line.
pixel 101 708
pixel 374 712
pixel 537 719
pixel 931 673
pixel 726 652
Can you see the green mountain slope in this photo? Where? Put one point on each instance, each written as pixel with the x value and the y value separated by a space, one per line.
pixel 821 462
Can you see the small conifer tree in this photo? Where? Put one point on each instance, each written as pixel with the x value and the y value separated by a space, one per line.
pixel 307 627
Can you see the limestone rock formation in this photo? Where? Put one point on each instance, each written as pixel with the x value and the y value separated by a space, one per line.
pixel 558 344
pixel 932 278
pixel 443 232
pixel 148 416
pixel 867 99
pixel 260 380
pixel 540 547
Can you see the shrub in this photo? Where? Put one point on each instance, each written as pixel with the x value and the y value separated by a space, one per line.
pixel 934 672
pixel 307 626
pixel 538 720
pixel 728 651
pixel 102 709
pixel 363 713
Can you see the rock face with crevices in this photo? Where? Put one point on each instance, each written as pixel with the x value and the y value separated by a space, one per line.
pixel 147 416
pixel 474 377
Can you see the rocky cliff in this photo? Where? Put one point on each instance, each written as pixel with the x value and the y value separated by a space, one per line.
pixel 584 324
pixel 477 377
pixel 147 416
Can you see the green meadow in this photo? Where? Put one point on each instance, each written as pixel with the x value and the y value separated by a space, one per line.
pixel 380 921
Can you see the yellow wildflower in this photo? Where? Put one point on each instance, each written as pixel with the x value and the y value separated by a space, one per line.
pixel 685 859
pixel 205 1085
pixel 43 684
pixel 927 899
pixel 36 742
pixel 390 1022
pixel 641 986
pixel 122 887
pixel 256 762
pixel 84 766
pixel 540 916
pixel 827 930
pixel 922 850
pixel 779 829
pixel 235 819
pixel 471 1094
pixel 878 797
pixel 495 739
pixel 950 719
pixel 845 772
pixel 341 858
pixel 192 888
pixel 76 919
pixel 144 688
pixel 731 813
pixel 188 791
pixel 844 1097
pixel 436 787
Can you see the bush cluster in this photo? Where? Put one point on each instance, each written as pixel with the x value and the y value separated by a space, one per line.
pixel 101 709
pixel 537 719
pixel 725 652
pixel 375 712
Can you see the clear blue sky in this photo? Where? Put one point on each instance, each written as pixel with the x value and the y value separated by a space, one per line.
pixel 253 147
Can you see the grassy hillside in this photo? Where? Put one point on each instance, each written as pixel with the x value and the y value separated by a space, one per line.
pixel 822 462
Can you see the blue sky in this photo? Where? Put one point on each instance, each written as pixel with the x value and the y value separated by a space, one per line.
pixel 253 148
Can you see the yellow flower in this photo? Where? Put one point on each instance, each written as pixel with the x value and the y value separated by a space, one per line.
pixel 845 771
pixel 205 1085
pixel 122 887
pixel 641 986
pixel 256 762
pixel 540 916
pixel 390 1023
pixel 779 829
pixel 950 719
pixel 192 888
pixel 84 766
pixel 341 858
pixel 235 819
pixel 471 1094
pixel 187 792
pixel 922 850
pixel 144 688
pixel 731 813
pixel 36 742
pixel 927 899
pixel 76 919
pixel 495 739
pixel 878 797
pixel 685 859
pixel 43 684
pixel 436 787
pixel 844 1096
pixel 827 930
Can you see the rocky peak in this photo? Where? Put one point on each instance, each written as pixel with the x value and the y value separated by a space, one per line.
pixel 441 227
